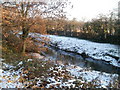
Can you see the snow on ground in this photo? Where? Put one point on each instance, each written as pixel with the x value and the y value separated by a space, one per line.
pixel 97 51
pixel 9 79
pixel 101 78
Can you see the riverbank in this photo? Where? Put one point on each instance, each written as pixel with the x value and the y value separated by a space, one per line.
pixel 51 72
pixel 108 53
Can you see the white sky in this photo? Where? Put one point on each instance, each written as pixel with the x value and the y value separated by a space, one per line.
pixel 88 9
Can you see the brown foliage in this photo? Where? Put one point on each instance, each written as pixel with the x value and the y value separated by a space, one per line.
pixel 28 17
pixel 39 26
pixel 31 47
pixel 15 43
pixel 13 22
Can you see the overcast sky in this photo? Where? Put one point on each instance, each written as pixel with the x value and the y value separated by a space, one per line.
pixel 88 9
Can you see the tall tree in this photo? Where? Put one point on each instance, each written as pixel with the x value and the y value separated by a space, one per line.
pixel 25 15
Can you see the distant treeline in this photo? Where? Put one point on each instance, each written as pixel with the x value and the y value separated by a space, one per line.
pixel 113 39
pixel 104 29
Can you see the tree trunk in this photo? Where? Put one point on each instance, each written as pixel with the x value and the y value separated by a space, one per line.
pixel 24 47
pixel 24 36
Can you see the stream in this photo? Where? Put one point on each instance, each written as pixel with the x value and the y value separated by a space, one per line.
pixel 57 52
pixel 88 69
pixel 75 59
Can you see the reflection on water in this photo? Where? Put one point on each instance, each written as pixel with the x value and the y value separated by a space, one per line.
pixel 71 58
